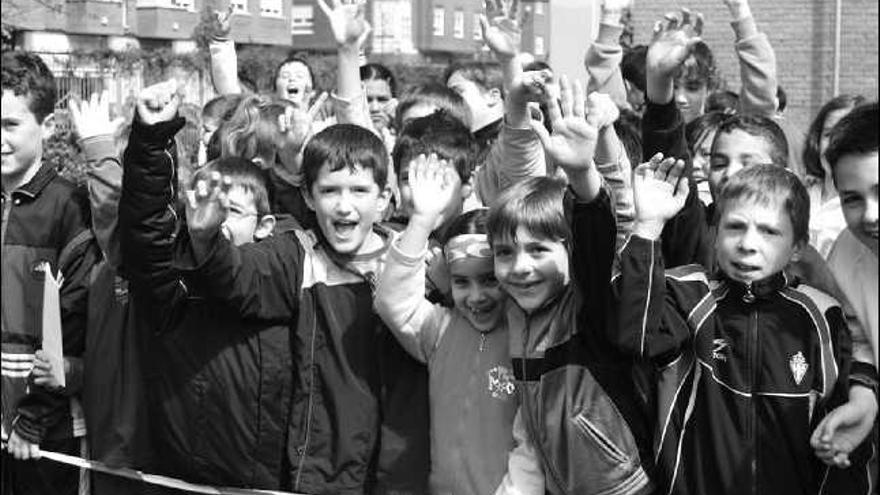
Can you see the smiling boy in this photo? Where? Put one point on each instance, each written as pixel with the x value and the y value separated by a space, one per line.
pixel 348 372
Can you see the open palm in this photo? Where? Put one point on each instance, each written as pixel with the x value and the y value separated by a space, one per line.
pixel 673 41
pixel 501 30
pixel 347 21
pixel 573 141
pixel 659 189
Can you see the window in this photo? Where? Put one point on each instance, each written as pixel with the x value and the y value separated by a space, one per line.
pixel 439 21
pixel 478 31
pixel 302 20
pixel 539 8
pixel 270 8
pixel 183 4
pixel 238 6
pixel 458 24
pixel 539 45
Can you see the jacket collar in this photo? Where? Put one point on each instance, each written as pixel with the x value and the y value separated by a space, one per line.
pixel 761 289
pixel 39 182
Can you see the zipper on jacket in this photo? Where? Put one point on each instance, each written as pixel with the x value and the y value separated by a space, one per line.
pixel 754 356
pixel 303 450
pixel 749 296
pixel 482 341
pixel 7 208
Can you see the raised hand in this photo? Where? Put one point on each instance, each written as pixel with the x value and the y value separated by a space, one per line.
pixel 501 28
pixel 659 192
pixel 432 182
pixel 92 117
pixel 207 206
pixel 673 41
pixel 347 21
pixel 223 22
pixel 159 102
pixel 601 110
pixel 843 429
pixel 21 449
pixel 739 9
pixel 574 139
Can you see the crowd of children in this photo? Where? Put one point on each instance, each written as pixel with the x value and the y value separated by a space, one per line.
pixel 512 283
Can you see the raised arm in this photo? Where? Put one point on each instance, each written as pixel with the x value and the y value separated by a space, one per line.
pixel 350 30
pixel 97 137
pixel 605 54
pixel 224 60
pixel 147 205
pixel 400 294
pixel 649 323
pixel 757 62
pixel 517 153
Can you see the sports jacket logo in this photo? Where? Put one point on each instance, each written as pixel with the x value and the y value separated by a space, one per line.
pixel 719 346
pixel 798 365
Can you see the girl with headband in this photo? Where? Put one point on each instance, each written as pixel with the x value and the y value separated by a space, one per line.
pixel 473 399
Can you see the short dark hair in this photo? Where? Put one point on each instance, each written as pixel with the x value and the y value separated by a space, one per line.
pixel 703 68
pixel 470 222
pixel 632 66
pixel 374 71
pixel 486 75
pixel 291 59
pixel 765 184
pixel 242 173
pixel 812 157
pixel 344 146
pixel 536 65
pixel 536 204
pixel 758 125
pixel 437 133
pixel 722 100
pixel 855 134
pixel 432 94
pixel 696 130
pixel 25 74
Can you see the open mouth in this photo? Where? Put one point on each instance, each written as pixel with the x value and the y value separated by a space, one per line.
pixel 344 228
pixel 293 92
pixel 744 267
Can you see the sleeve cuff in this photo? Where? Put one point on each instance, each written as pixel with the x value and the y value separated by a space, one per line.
pixel 99 147
pixel 406 259
pixel 864 374
pixel 744 28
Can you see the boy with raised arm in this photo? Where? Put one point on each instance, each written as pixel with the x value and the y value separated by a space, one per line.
pixel 748 360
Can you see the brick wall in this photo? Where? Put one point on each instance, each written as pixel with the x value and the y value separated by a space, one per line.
pixel 802 34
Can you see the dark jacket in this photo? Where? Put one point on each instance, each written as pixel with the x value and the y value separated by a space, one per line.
pixel 745 374
pixel 46 219
pixel 352 378
pixel 577 396
pixel 219 387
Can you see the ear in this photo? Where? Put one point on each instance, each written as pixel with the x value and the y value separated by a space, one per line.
pixel 48 126
pixel 384 200
pixel 466 190
pixel 265 227
pixel 307 197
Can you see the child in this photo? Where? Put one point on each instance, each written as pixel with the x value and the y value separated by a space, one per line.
pixel 465 347
pixel 748 362
pixel 45 219
pixel 348 375
pixel 579 418
pixel 826 219
pixel 220 400
pixel 481 86
pixel 852 156
pixel 380 89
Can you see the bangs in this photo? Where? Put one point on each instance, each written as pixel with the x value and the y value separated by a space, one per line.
pixel 535 205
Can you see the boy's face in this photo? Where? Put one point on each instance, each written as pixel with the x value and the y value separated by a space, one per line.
pixel 379 101
pixel 22 137
pixel 452 210
pixel 294 83
pixel 755 240
pixel 733 151
pixel 484 106
pixel 531 270
pixel 690 96
pixel 855 177
pixel 243 224
pixel 347 203
pixel 476 292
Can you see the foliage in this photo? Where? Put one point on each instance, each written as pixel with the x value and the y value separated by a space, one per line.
pixel 62 152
